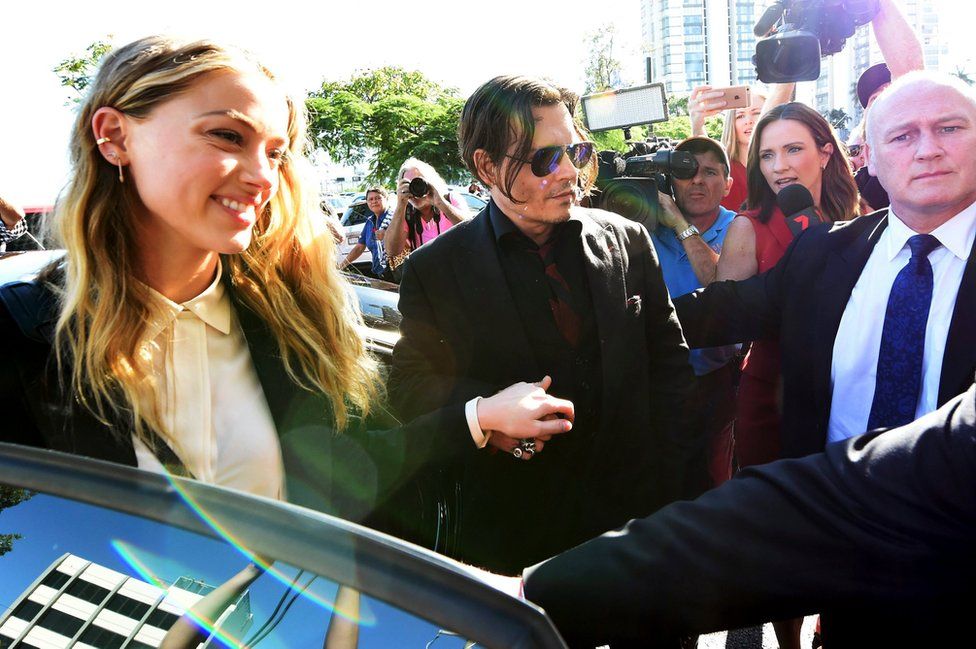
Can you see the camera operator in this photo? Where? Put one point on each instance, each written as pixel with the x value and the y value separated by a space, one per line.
pixel 425 209
pixel 688 240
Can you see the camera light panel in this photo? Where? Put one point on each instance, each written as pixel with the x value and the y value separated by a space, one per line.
pixel 628 107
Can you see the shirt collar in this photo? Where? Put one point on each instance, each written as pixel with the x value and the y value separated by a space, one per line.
pixel 212 306
pixel 505 229
pixel 957 234
pixel 719 225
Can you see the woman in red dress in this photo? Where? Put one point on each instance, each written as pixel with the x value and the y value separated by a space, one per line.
pixel 706 101
pixel 792 143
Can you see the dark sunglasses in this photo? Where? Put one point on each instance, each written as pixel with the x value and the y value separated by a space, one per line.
pixel 854 149
pixel 546 160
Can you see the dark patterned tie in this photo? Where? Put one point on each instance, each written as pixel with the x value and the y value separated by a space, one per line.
pixel 561 303
pixel 899 376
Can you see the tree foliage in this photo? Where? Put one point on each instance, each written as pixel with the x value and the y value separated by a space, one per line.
pixel 388 115
pixel 963 75
pixel 78 71
pixel 10 497
pixel 838 118
pixel 678 105
pixel 602 68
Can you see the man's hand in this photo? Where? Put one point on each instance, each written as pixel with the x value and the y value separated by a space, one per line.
pixel 525 411
pixel 670 216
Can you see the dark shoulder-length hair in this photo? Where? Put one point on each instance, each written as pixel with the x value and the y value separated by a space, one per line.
pixel 499 114
pixel 838 192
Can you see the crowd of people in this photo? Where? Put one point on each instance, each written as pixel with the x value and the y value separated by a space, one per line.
pixel 542 390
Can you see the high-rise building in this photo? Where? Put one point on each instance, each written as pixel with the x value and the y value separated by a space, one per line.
pixel 81 604
pixel 692 42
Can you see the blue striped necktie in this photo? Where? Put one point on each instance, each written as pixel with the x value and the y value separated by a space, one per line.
pixel 899 376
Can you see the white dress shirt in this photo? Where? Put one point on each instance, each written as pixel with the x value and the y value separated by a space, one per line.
pixel 858 342
pixel 209 398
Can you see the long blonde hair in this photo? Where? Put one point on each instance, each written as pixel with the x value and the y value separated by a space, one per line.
pixel 287 275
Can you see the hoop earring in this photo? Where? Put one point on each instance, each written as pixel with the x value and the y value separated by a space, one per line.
pixel 118 161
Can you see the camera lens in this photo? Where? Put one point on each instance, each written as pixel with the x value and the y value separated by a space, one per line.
pixel 419 187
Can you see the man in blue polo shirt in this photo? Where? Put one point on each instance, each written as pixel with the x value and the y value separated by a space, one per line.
pixel 688 240
pixel 373 231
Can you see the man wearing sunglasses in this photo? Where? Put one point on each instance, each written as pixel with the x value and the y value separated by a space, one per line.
pixel 536 285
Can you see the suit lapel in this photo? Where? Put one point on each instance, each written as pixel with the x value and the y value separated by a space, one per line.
pixel 290 405
pixel 960 350
pixel 498 328
pixel 843 267
pixel 605 273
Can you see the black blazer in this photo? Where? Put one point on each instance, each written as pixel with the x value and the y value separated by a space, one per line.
pixel 872 528
pixel 351 473
pixel 800 302
pixel 462 337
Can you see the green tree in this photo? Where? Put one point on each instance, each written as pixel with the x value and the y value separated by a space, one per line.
pixel 963 75
pixel 602 70
pixel 10 497
pixel 387 115
pixel 78 70
pixel 838 118
pixel 677 105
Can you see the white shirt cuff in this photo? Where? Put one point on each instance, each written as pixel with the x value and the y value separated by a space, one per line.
pixel 471 414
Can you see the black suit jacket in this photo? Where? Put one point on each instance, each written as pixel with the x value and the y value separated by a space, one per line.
pixel 351 473
pixel 463 337
pixel 800 302
pixel 873 527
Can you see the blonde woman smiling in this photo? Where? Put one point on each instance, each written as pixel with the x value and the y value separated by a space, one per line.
pixel 197 322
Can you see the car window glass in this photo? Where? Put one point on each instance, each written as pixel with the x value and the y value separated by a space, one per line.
pixel 356 215
pixel 72 572
pixel 475 204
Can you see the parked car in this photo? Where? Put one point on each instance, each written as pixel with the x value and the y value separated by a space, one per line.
pixel 475 203
pixel 377 299
pixel 106 556
pixel 337 204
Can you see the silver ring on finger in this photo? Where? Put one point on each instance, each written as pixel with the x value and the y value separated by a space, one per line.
pixel 525 447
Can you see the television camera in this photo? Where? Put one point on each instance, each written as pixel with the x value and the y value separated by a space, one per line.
pixel 628 183
pixel 795 34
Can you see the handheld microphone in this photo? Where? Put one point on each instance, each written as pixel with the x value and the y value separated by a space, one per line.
pixel 796 203
pixel 769 18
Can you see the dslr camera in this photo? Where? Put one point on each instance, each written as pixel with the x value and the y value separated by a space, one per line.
pixel 419 187
pixel 795 34
pixel 628 184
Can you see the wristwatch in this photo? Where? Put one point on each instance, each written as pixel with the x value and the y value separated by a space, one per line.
pixel 690 231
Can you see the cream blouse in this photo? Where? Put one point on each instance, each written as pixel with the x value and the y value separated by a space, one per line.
pixel 211 402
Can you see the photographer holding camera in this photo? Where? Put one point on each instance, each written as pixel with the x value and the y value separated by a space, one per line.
pixel 425 209
pixel 688 239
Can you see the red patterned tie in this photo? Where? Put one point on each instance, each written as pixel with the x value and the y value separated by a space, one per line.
pixel 560 303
